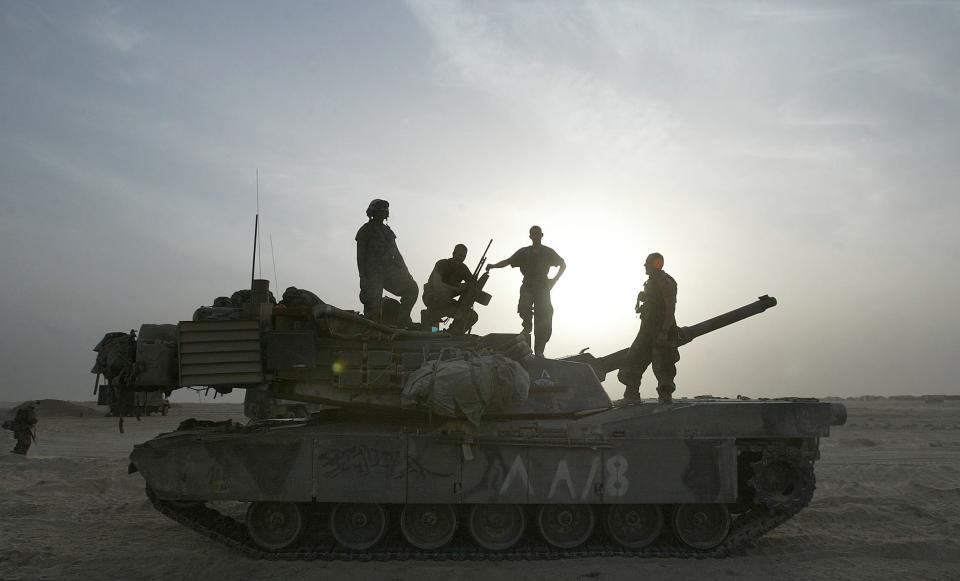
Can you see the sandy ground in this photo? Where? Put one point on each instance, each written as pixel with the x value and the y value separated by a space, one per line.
pixel 887 507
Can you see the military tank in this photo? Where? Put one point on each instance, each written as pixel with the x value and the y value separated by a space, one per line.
pixel 438 446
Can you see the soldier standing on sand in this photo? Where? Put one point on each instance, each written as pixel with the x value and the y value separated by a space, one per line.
pixel 658 338
pixel 24 427
pixel 534 262
pixel 382 267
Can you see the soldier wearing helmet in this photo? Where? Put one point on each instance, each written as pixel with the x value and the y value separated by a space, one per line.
pixel 382 267
pixel 658 339
pixel 23 426
pixel 534 307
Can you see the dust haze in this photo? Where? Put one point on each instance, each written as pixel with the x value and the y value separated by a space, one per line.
pixel 802 151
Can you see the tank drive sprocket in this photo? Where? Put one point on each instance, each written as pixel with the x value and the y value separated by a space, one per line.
pixel 783 479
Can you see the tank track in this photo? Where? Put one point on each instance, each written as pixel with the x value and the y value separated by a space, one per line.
pixel 747 527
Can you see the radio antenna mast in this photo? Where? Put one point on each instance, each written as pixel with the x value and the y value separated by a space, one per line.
pixel 276 281
pixel 256 233
pixel 259 241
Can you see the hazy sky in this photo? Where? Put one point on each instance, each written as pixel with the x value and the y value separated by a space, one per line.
pixel 804 150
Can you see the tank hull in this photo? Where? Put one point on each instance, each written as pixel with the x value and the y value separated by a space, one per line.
pixel 696 454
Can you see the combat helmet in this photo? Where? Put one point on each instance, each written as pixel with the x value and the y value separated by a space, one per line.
pixel 377 204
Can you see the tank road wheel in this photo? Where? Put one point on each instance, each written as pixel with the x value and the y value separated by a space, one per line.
pixel 497 527
pixel 701 526
pixel 566 526
pixel 428 526
pixel 358 526
pixel 633 526
pixel 274 526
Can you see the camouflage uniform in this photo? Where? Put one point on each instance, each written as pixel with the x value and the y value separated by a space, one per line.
pixel 659 298
pixel 535 307
pixel 382 268
pixel 23 428
pixel 441 299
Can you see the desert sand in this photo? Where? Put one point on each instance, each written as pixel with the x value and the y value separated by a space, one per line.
pixel 887 507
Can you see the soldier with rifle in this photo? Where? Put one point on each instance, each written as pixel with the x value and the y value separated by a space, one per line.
pixel 534 306
pixel 452 290
pixel 658 338
pixel 23 426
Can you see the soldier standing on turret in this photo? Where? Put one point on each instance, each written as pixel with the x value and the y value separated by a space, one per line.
pixel 24 427
pixel 658 338
pixel 534 262
pixel 382 267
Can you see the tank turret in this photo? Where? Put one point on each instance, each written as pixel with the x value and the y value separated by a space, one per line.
pixel 320 354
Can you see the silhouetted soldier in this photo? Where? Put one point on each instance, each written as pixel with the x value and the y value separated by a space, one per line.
pixel 23 426
pixel 658 338
pixel 381 266
pixel 449 280
pixel 534 307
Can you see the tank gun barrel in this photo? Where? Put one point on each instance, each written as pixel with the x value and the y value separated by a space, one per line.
pixel 690 333
pixel 604 365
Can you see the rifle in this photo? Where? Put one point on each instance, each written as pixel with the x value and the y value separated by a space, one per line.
pixel 483 260
pixel 473 294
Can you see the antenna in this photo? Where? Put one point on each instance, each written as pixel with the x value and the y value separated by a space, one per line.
pixel 256 233
pixel 276 281
pixel 258 213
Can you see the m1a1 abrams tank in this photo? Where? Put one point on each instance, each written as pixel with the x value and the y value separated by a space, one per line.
pixel 465 447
